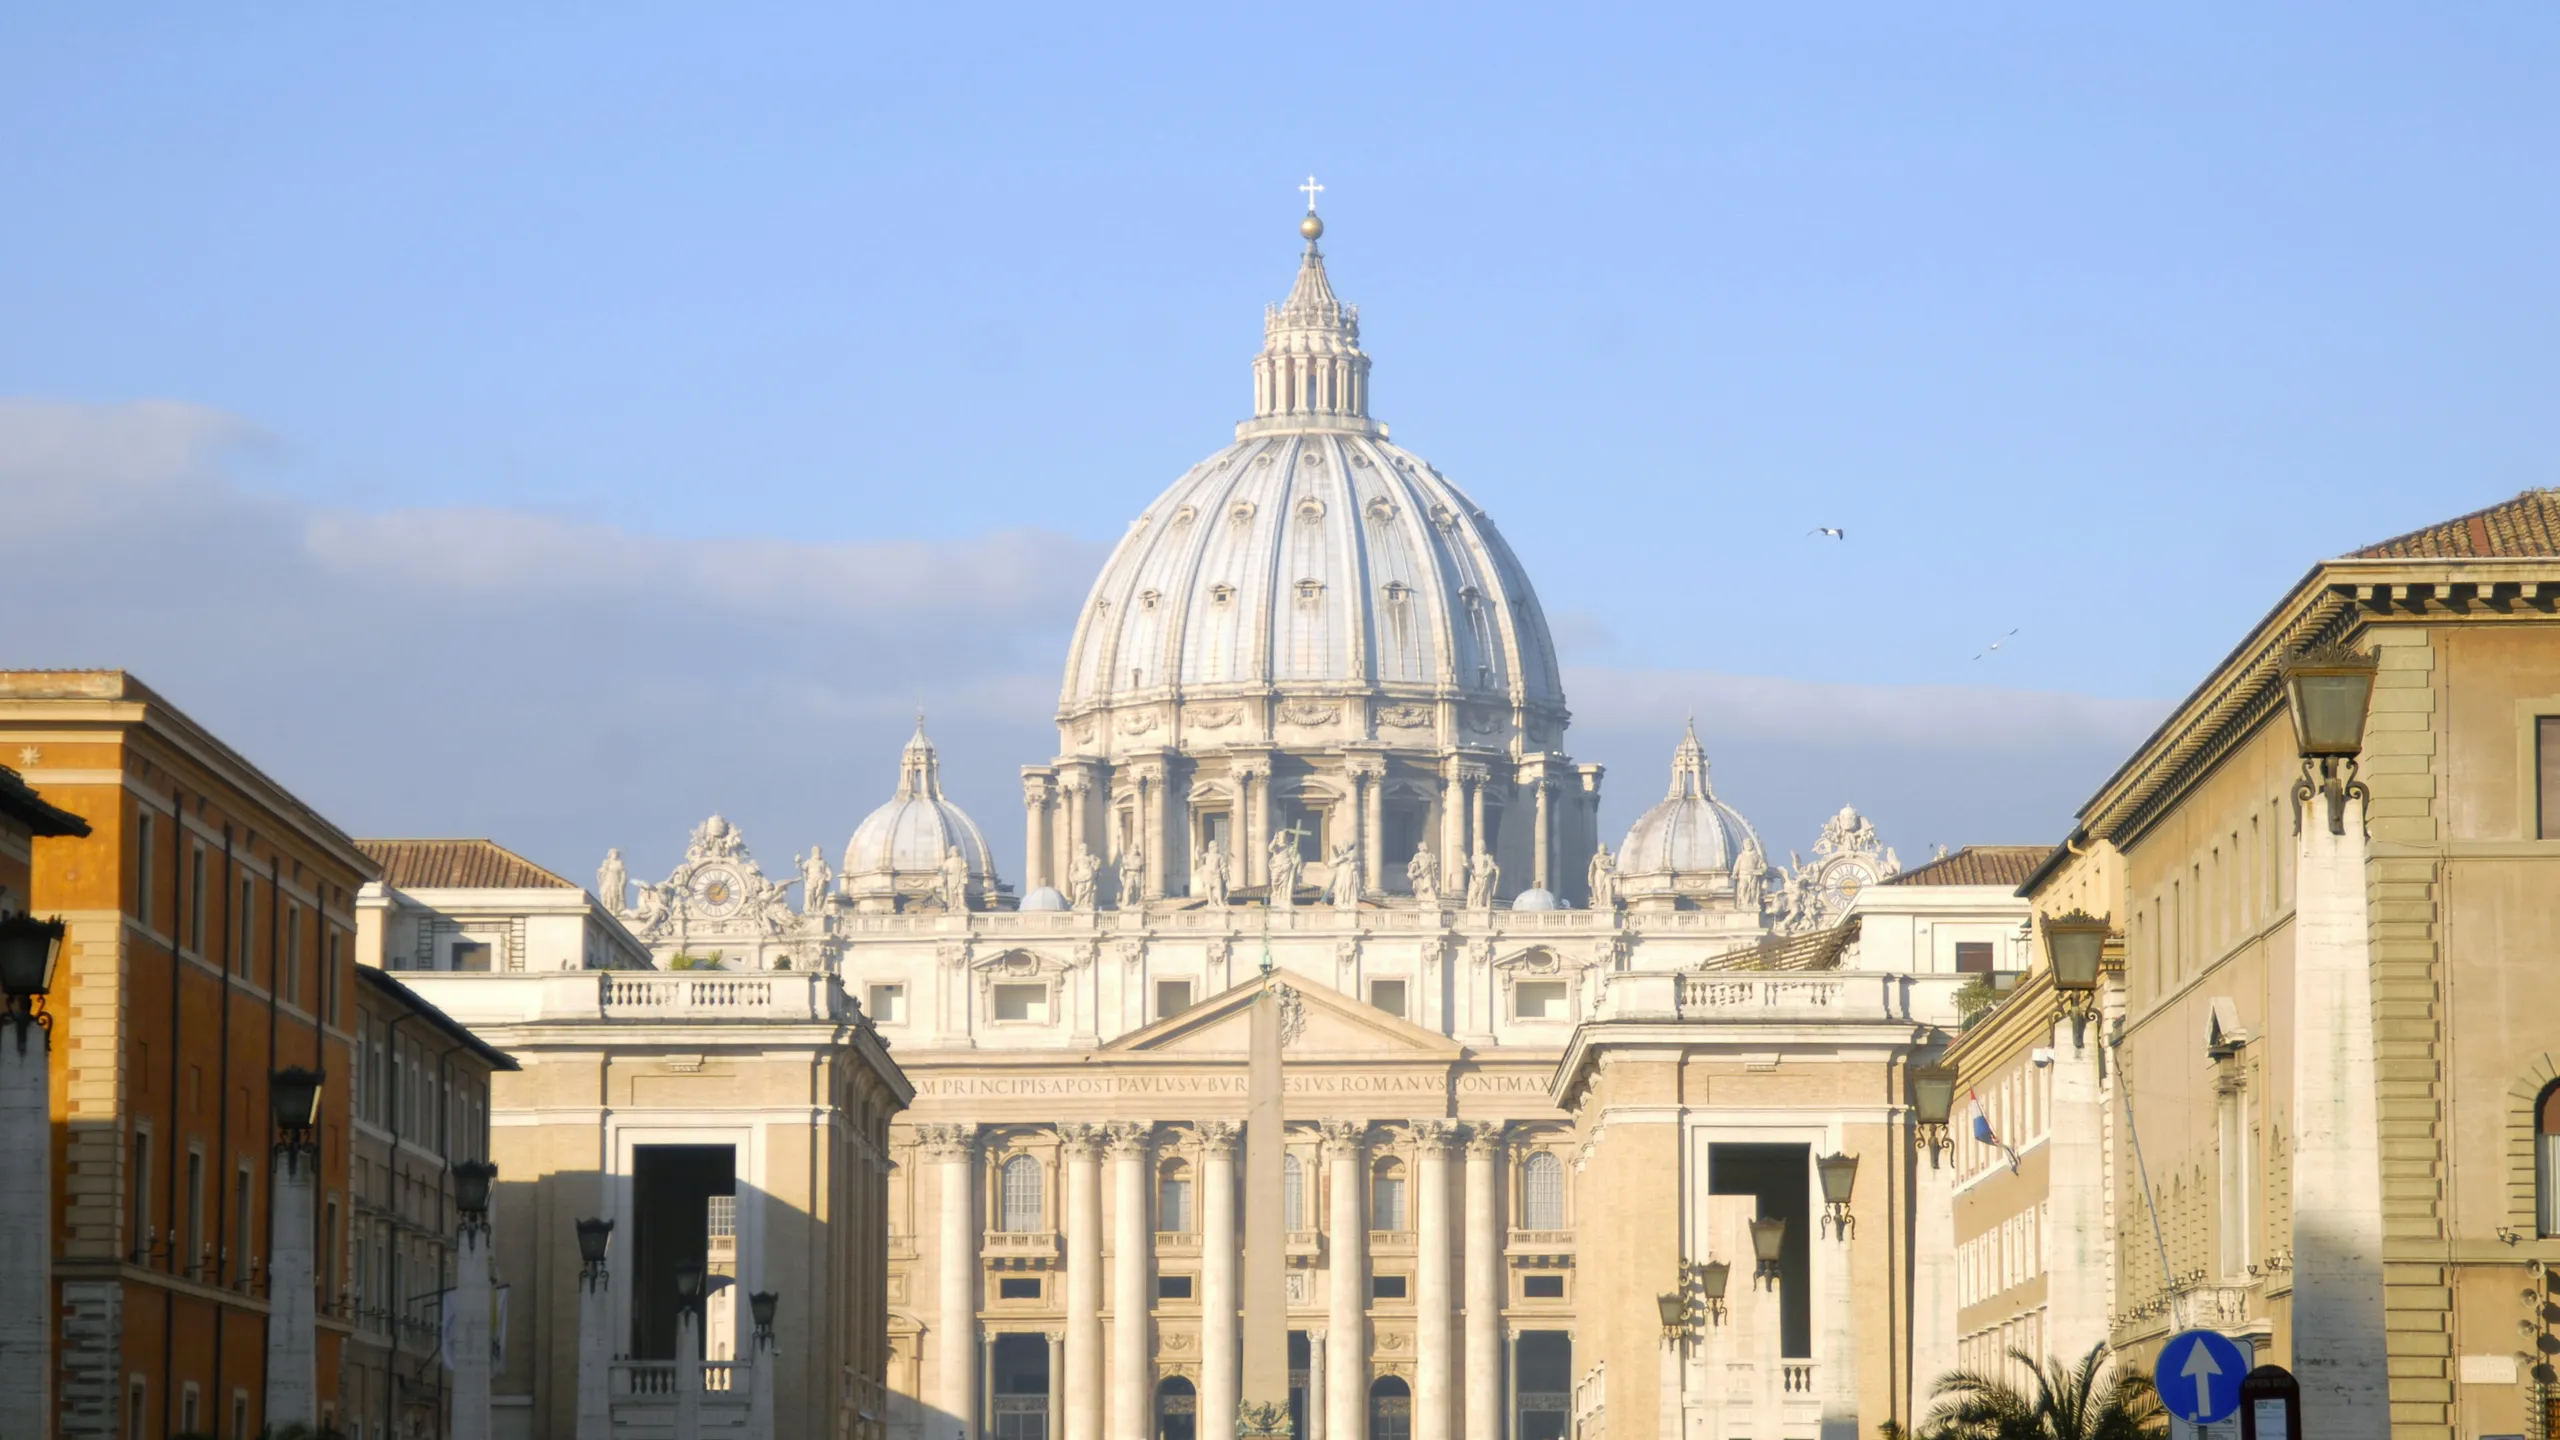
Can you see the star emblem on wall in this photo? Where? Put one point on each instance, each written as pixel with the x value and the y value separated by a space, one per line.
pixel 30 755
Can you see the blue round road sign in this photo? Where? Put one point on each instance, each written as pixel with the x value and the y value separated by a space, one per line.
pixel 2199 1376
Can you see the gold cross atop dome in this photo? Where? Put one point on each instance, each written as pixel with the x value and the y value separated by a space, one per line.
pixel 1311 227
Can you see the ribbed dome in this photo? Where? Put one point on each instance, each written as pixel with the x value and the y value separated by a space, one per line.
pixel 1321 562
pixel 899 848
pixel 1689 831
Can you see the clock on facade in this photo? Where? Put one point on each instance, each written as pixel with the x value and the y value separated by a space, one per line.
pixel 1841 882
pixel 716 890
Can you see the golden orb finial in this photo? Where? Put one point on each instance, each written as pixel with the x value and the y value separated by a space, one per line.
pixel 1312 226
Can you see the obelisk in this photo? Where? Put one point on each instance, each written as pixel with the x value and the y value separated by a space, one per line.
pixel 1264 1410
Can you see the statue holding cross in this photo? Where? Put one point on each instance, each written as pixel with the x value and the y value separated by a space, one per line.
pixel 1286 863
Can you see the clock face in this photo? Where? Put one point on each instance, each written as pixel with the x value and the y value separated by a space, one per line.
pixel 1841 884
pixel 716 891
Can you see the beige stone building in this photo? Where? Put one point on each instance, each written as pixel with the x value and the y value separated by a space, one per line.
pixel 2390 1044
pixel 738 1122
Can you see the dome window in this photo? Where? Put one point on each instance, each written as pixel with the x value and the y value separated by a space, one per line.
pixel 1146 599
pixel 1443 517
pixel 1397 592
pixel 1310 510
pixel 1313 460
pixel 1185 515
pixel 1382 510
pixel 1310 590
pixel 1242 511
pixel 1222 593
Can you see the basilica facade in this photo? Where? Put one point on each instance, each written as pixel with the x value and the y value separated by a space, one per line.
pixel 1312 734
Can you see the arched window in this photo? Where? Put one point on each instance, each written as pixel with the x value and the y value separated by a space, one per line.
pixel 1386 1196
pixel 1390 1410
pixel 1173 1197
pixel 2546 1161
pixel 1542 1191
pixel 1293 1193
pixel 1021 1189
pixel 1177 1409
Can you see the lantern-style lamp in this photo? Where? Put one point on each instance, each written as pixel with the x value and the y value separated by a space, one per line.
pixel 2329 691
pixel 1839 1174
pixel 29 949
pixel 2075 944
pixel 761 1305
pixel 1674 1307
pixel 595 1237
pixel 293 1093
pixel 1768 1242
pixel 471 1182
pixel 1712 1278
pixel 1933 1101
pixel 689 1284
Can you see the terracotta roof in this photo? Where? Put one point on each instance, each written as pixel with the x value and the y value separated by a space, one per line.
pixel 21 803
pixel 2526 527
pixel 1814 950
pixel 457 865
pixel 2003 865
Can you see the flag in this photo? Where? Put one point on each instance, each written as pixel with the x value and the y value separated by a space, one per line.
pixel 1982 1131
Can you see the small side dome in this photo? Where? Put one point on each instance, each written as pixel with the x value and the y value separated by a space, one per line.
pixel 1536 899
pixel 898 853
pixel 1690 844
pixel 1046 897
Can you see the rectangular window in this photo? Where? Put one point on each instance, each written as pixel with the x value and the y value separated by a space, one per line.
pixel 328 1266
pixel 1173 1204
pixel 1028 1004
pixel 195 903
pixel 142 896
pixel 2546 746
pixel 1541 1000
pixel 137 1408
pixel 1542 1287
pixel 242 1260
pixel 140 1247
pixel 195 1213
pixel 292 954
pixel 1386 1202
pixel 470 955
pixel 888 1004
pixel 1018 1287
pixel 1173 1287
pixel 1973 957
pixel 188 1407
pixel 1172 997
pixel 720 1217
pixel 239 1415
pixel 1388 995
pixel 1386 1287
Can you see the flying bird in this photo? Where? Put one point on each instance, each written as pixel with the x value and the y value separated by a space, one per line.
pixel 1996 644
pixel 1830 532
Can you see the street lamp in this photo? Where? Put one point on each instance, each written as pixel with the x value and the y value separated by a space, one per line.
pixel 761 1305
pixel 471 1182
pixel 1768 1241
pixel 594 1236
pixel 1674 1306
pixel 29 949
pixel 689 1285
pixel 1839 1176
pixel 2329 690
pixel 1933 1099
pixel 2075 944
pixel 1711 1277
pixel 293 1093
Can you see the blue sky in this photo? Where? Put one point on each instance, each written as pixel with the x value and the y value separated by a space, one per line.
pixel 575 358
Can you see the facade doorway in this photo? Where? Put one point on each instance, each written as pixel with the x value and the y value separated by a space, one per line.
pixel 1177 1410
pixel 1019 1373
pixel 1390 1410
pixel 1546 1384
pixel 671 1192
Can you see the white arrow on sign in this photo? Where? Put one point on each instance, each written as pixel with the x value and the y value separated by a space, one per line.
pixel 2201 1369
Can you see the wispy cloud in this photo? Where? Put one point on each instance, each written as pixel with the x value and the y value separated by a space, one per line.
pixel 562 685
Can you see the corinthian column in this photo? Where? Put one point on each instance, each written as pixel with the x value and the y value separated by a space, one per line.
pixel 1082 1143
pixel 1220 1378
pixel 1431 1278
pixel 954 1151
pixel 1346 1257
pixel 1037 789
pixel 1543 848
pixel 1373 830
pixel 1484 1282
pixel 1132 1250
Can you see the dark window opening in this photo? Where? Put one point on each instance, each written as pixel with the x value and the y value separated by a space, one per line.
pixel 1546 1385
pixel 1390 1410
pixel 1173 1287
pixel 1780 1178
pixel 1386 1287
pixel 1973 957
pixel 671 1190
pixel 1019 1378
pixel 1542 1287
pixel 1014 1288
pixel 1401 825
pixel 1177 1410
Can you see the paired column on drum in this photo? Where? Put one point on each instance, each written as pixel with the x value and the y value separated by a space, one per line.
pixel 1083 1147
pixel 1133 1254
pixel 1346 1144
pixel 954 1151
pixel 1484 1282
pixel 1039 796
pixel 1221 1379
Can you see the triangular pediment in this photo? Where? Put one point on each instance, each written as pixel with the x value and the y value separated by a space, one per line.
pixel 1331 1025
